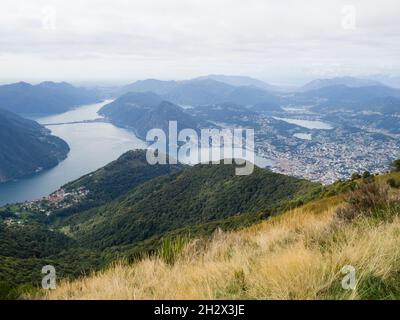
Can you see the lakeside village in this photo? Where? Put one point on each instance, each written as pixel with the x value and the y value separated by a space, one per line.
pixel 58 200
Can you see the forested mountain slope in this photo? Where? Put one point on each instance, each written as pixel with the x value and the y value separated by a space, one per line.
pixel 44 98
pixel 26 147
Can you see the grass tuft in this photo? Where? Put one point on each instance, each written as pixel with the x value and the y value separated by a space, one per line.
pixel 171 248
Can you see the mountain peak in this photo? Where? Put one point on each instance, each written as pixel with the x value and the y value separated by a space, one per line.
pixel 237 81
pixel 52 84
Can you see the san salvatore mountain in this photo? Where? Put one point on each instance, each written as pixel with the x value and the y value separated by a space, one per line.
pixel 142 112
pixel 26 147
pixel 44 98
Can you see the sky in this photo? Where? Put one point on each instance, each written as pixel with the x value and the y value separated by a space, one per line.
pixel 119 41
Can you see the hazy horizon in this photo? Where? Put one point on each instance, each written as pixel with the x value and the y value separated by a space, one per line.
pixel 391 81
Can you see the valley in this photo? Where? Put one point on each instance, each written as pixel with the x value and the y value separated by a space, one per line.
pixel 292 135
pixel 106 203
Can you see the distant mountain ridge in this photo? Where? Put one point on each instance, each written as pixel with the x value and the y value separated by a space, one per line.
pixel 238 81
pixel 44 98
pixel 341 97
pixel 150 85
pixel 345 81
pixel 26 147
pixel 203 92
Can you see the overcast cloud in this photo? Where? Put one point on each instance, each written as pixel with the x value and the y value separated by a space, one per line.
pixel 285 41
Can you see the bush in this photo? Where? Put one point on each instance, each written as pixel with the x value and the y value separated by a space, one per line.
pixel 366 175
pixel 355 176
pixel 369 200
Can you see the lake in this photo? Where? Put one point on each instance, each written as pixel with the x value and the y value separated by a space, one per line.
pixel 309 124
pixel 93 145
pixel 86 112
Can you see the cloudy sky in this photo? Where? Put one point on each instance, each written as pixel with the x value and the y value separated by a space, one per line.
pixel 285 41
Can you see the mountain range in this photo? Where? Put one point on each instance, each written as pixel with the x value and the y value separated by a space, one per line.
pixel 337 81
pixel 324 94
pixel 342 97
pixel 203 91
pixel 44 98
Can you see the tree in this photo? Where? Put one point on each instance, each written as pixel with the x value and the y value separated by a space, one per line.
pixel 396 165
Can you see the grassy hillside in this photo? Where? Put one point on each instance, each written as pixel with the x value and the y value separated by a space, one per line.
pixel 296 255
pixel 129 209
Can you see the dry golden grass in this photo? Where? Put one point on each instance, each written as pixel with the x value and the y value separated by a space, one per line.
pixel 297 255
